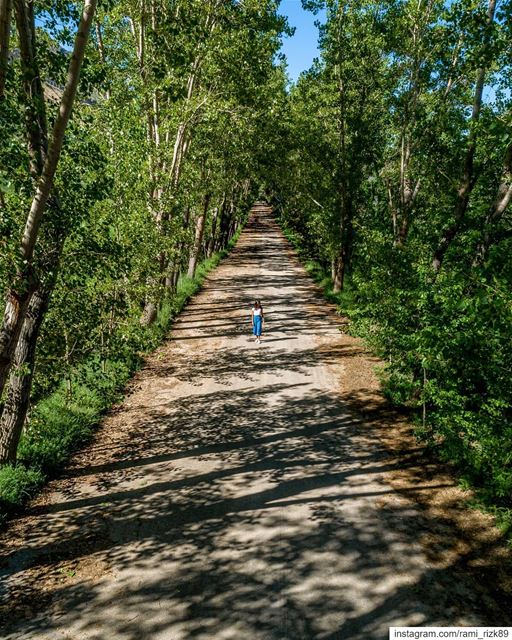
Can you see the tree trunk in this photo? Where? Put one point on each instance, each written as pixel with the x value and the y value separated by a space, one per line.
pixel 192 264
pixel 211 243
pixel 101 51
pixel 408 187
pixel 14 410
pixel 226 221
pixel 182 140
pixel 5 32
pixel 149 314
pixel 175 278
pixel 468 181
pixel 35 108
pixel 220 223
pixel 179 152
pixel 496 210
pixel 50 166
pixel 338 273
pixel 344 182
pixel 19 294
pixel 156 191
pixel 36 133
pixel 15 309
pixel 20 382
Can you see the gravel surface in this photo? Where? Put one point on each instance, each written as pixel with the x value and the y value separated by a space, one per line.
pixel 252 491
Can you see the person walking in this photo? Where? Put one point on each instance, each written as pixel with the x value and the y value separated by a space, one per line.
pixel 257 320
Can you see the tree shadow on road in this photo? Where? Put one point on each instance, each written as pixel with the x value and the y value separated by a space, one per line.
pixel 261 512
pixel 307 555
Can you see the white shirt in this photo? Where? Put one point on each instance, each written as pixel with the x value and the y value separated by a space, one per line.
pixel 256 312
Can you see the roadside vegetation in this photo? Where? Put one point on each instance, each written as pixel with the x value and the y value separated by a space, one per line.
pixel 132 169
pixel 396 190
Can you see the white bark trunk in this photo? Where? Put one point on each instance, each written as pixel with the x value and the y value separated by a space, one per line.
pixel 35 108
pixel 50 166
pixel 26 282
pixel 198 240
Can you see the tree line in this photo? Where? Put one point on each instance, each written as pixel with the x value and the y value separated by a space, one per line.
pixel 131 143
pixel 149 127
pixel 398 181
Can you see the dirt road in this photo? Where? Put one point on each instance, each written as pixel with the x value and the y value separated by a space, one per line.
pixel 249 491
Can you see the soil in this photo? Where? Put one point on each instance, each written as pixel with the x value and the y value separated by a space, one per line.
pixel 252 490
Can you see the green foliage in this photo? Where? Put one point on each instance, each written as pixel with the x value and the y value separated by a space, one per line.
pixel 17 485
pixel 342 299
pixel 386 122
pixel 65 420
pixel 164 154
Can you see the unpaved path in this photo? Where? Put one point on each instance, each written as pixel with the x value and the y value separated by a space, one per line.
pixel 257 492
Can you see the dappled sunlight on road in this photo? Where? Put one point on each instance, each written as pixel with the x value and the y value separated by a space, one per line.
pixel 244 497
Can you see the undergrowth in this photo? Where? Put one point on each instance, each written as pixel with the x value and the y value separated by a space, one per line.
pixel 65 420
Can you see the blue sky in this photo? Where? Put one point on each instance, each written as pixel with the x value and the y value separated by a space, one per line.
pixel 301 48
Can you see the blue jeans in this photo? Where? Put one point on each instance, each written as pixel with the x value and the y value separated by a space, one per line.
pixel 256 326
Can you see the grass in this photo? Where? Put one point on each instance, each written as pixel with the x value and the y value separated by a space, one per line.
pixel 65 420
pixel 17 485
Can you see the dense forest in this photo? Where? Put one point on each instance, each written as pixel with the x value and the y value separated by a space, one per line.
pixel 144 126
pixel 136 134
pixel 398 184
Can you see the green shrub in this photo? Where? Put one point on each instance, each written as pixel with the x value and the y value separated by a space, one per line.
pixel 17 484
pixel 446 354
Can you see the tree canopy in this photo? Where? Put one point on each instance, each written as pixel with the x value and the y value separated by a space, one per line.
pixel 398 181
pixel 138 156
pixel 149 127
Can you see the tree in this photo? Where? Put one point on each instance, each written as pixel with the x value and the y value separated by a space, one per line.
pixel 404 174
pixel 156 171
pixel 19 332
